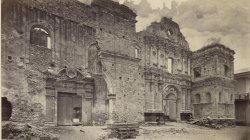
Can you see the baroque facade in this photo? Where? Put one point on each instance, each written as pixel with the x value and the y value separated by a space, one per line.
pixel 66 63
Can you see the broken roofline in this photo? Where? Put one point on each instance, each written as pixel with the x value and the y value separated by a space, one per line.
pixel 214 45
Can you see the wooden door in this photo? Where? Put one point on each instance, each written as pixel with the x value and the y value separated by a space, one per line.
pixel 65 109
pixel 240 111
pixel 172 109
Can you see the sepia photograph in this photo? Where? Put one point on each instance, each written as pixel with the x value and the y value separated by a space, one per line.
pixel 125 70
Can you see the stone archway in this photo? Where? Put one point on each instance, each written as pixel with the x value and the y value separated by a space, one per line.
pixel 98 67
pixel 170 102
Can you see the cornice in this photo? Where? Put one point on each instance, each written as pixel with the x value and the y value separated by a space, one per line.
pixel 105 54
pixel 214 81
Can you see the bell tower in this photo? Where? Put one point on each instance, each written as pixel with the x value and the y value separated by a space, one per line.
pixel 212 73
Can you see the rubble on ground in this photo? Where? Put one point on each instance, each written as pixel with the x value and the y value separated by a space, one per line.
pixel 12 130
pixel 213 123
pixel 168 130
pixel 123 130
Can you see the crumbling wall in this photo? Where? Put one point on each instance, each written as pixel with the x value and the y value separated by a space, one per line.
pixel 169 30
pixel 24 63
pixel 127 87
pixel 100 106
pixel 65 23
pixel 25 92
pixel 23 85
pixel 114 23
pixel 210 62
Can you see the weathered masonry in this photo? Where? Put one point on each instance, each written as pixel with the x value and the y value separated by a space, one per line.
pixel 67 63
pixel 166 63
pixel 213 82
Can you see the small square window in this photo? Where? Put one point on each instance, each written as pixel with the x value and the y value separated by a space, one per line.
pixel 9 58
pixel 197 72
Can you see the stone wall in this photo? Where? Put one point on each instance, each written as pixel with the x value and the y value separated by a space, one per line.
pixel 213 86
pixel 114 23
pixel 100 110
pixel 203 110
pixel 72 27
pixel 125 83
pixel 212 60
pixel 22 84
pixel 25 89
pixel 24 64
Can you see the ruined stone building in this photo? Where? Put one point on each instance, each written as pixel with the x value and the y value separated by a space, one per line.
pixel 66 62
pixel 213 82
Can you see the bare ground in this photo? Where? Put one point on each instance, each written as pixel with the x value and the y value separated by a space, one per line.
pixel 170 131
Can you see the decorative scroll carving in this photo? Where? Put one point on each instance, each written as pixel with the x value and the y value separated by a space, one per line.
pixel 69 73
pixel 170 90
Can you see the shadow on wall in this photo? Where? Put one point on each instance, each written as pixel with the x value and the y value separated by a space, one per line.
pixel 6 109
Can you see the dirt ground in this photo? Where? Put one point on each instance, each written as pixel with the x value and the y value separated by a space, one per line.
pixel 170 131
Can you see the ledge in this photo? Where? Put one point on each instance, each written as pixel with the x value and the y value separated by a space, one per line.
pixel 201 103
pixel 115 54
pixel 226 103
pixel 153 111
pixel 185 111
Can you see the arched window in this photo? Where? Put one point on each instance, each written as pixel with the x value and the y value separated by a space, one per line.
pixel 197 98
pixel 208 97
pixel 40 37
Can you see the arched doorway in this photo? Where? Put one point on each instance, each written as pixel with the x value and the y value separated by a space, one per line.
pixel 170 103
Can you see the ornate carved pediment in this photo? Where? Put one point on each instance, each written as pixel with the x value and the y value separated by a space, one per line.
pixel 170 90
pixel 69 73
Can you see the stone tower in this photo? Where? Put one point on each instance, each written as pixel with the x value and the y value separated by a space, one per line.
pixel 212 69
